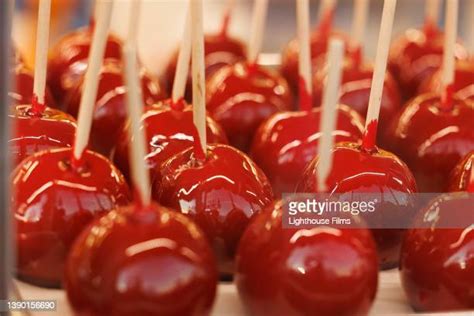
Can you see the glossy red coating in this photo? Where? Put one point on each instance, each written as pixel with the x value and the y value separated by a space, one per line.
pixel 287 142
pixel 168 131
pixel 68 60
pixel 53 203
pixel 462 178
pixel 416 55
pixel 111 109
pixel 319 45
pixel 32 133
pixel 378 171
pixel 355 88
pixel 21 91
pixel 141 261
pixel 431 140
pixel 437 265
pixel 322 271
pixel 220 50
pixel 242 96
pixel 221 194
pixel 463 81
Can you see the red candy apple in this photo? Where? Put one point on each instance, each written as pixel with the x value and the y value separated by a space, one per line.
pixel 285 143
pixel 169 130
pixel 355 89
pixel 242 96
pixel 221 193
pixel 141 261
pixel 319 45
pixel 33 131
pixel 323 271
pixel 462 177
pixel 68 60
pixel 53 202
pixel 416 55
pixel 22 87
pixel 463 81
pixel 220 50
pixel 110 111
pixel 437 265
pixel 432 139
pixel 358 170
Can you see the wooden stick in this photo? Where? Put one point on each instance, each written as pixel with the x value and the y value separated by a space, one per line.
pixel 89 93
pixel 449 59
pixel 329 111
pixel 304 59
pixel 133 24
pixel 257 30
pixel 359 22
pixel 182 65
pixel 41 58
pixel 378 79
pixel 140 175
pixel 469 22
pixel 326 6
pixel 432 11
pixel 199 98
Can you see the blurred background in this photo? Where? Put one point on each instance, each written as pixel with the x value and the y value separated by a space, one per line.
pixel 162 22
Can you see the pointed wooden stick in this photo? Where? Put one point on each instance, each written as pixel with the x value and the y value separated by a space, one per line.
pixel 304 59
pixel 259 19
pixel 326 6
pixel 449 59
pixel 182 65
pixel 432 12
pixel 89 93
pixel 41 59
pixel 199 98
pixel 140 175
pixel 469 22
pixel 378 79
pixel 329 112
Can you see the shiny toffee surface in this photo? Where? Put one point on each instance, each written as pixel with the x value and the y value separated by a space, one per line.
pixel 110 112
pixel 222 194
pixel 357 171
pixel 432 140
pixel 321 271
pixel 140 260
pixel 22 90
pixel 462 178
pixel 220 50
pixel 355 90
pixel 68 60
pixel 242 96
pixel 319 45
pixel 463 81
pixel 437 265
pixel 168 130
pixel 416 56
pixel 53 203
pixel 32 133
pixel 285 144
